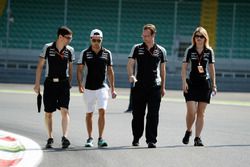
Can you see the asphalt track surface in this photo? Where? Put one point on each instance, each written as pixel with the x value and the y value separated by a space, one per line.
pixel 226 133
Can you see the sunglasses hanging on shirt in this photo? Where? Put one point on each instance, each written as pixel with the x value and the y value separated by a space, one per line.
pixel 60 54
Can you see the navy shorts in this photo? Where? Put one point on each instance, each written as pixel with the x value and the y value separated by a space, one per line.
pixel 56 95
pixel 199 91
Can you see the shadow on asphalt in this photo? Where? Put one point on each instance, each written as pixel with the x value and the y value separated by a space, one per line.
pixel 81 148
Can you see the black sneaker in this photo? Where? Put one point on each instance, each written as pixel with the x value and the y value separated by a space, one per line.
pixel 102 143
pixel 185 139
pixel 50 141
pixel 198 142
pixel 135 142
pixel 128 110
pixel 151 145
pixel 65 142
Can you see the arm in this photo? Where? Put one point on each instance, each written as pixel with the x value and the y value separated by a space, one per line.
pixel 212 75
pixel 184 76
pixel 80 68
pixel 163 78
pixel 111 78
pixel 130 70
pixel 39 70
pixel 70 72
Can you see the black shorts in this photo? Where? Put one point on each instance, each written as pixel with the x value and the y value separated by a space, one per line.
pixel 56 95
pixel 199 91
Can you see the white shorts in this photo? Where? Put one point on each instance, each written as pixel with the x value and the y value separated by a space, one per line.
pixel 99 96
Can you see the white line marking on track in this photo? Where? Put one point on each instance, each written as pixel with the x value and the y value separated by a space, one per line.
pixel 166 99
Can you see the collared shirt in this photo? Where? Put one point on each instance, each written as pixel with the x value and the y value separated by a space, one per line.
pixel 57 64
pixel 205 58
pixel 97 67
pixel 148 63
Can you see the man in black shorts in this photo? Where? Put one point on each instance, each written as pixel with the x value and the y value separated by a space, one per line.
pixel 58 57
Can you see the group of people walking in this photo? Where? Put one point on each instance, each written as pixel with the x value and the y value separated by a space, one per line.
pixel 146 70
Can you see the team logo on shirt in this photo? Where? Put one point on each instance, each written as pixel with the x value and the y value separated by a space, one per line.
pixel 104 55
pixel 206 56
pixel 52 52
pixel 140 51
pixel 193 56
pixel 89 55
pixel 156 53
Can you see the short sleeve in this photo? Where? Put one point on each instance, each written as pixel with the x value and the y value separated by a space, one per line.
pixel 81 60
pixel 186 57
pixel 132 52
pixel 43 53
pixel 211 57
pixel 72 52
pixel 164 54
pixel 110 61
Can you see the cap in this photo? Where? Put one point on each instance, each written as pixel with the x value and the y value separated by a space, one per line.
pixel 96 32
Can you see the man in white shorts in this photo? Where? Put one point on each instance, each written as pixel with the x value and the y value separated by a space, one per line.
pixel 99 64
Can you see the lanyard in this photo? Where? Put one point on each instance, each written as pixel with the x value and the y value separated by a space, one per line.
pixel 199 57
pixel 199 67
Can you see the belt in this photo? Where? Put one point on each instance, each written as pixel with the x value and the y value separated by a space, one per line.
pixel 56 79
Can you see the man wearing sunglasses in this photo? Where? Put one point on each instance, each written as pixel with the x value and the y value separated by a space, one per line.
pixel 58 57
pixel 95 90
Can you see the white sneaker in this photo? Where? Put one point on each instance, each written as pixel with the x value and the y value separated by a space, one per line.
pixel 89 142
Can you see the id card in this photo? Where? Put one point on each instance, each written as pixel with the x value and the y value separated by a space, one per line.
pixel 200 69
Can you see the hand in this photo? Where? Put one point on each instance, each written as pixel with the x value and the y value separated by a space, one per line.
pixel 132 79
pixel 214 91
pixel 163 92
pixel 81 88
pixel 37 88
pixel 114 94
pixel 185 87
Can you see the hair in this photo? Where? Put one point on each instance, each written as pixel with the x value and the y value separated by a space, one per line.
pixel 63 30
pixel 203 31
pixel 150 27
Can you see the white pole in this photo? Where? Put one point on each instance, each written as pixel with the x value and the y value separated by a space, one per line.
pixel 8 25
pixel 233 29
pixel 174 53
pixel 7 33
pixel 65 11
pixel 175 19
pixel 232 37
pixel 118 25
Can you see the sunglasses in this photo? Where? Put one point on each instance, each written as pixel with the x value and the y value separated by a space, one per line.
pixel 199 36
pixel 96 40
pixel 68 37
